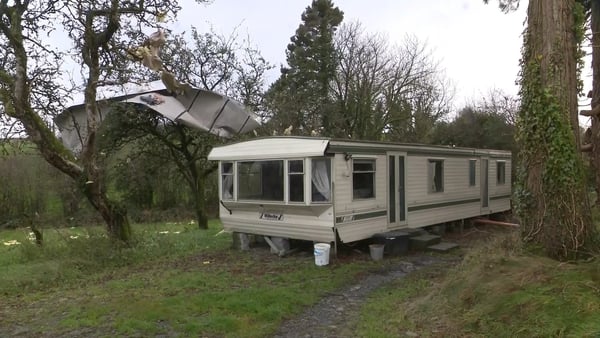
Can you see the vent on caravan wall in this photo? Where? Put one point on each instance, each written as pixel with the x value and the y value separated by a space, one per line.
pixel 196 108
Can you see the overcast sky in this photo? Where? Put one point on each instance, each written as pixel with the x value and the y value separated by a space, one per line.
pixel 477 45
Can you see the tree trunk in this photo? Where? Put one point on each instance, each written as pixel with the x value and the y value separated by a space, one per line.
pixel 551 198
pixel 196 182
pixel 113 214
pixel 595 128
pixel 199 204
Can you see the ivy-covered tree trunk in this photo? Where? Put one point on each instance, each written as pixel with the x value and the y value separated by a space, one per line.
pixel 551 198
pixel 595 128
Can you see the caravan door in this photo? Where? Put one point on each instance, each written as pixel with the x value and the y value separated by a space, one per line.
pixel 485 185
pixel 396 189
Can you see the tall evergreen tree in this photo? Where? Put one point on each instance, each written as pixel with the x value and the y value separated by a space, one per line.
pixel 300 97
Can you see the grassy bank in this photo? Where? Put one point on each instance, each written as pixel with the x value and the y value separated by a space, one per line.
pixel 497 291
pixel 175 280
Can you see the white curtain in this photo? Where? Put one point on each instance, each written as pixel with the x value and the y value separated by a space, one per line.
pixel 227 187
pixel 320 177
pixel 432 188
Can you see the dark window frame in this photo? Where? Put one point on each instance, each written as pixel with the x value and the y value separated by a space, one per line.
pixel 291 174
pixel 360 193
pixel 472 173
pixel 500 172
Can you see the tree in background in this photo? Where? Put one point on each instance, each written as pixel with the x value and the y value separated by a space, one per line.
pixel 383 92
pixel 488 123
pixel 300 97
pixel 30 90
pixel 347 83
pixel 212 62
pixel 475 128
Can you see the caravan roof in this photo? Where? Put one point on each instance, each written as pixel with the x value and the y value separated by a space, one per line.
pixel 298 146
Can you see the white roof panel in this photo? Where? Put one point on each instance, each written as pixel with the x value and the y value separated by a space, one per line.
pixel 271 148
pixel 196 108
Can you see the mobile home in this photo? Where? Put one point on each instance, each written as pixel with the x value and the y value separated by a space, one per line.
pixel 318 189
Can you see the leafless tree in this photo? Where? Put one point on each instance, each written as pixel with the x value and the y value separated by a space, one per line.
pixel 500 103
pixel 385 91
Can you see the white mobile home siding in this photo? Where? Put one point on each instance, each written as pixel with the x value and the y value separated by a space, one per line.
pixel 457 201
pixel 358 219
pixel 500 193
pixel 313 223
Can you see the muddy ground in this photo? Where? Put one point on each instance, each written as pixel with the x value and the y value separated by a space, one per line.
pixel 336 314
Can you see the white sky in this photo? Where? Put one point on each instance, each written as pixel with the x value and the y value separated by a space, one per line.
pixel 477 45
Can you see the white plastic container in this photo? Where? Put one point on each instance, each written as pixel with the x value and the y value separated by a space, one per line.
pixel 322 254
pixel 376 251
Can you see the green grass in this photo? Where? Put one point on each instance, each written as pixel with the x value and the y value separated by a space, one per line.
pixel 70 254
pixel 498 291
pixel 188 283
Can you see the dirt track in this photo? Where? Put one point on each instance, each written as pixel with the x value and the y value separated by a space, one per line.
pixel 335 314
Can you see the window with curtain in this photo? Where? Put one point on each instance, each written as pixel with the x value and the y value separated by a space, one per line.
pixel 227 180
pixel 321 180
pixel 363 178
pixel 436 175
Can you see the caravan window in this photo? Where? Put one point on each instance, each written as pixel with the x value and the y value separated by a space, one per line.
pixel 321 180
pixel 500 172
pixel 363 178
pixel 227 180
pixel 436 175
pixel 296 180
pixel 472 171
pixel 260 180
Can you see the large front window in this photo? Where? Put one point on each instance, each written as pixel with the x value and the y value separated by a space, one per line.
pixel 260 180
pixel 363 179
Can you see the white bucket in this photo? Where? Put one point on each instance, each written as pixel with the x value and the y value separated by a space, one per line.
pixel 376 251
pixel 322 254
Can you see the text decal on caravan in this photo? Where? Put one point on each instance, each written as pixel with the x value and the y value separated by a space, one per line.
pixel 271 216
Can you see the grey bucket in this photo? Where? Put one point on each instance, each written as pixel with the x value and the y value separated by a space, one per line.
pixel 376 251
